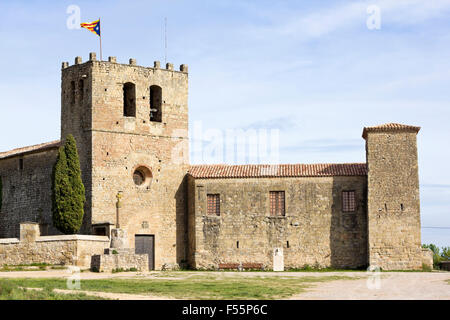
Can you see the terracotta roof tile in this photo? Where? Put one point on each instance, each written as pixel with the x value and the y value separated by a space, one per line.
pixel 390 127
pixel 222 171
pixel 30 149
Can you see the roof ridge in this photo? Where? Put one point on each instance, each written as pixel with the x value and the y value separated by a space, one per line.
pixel 390 127
pixel 279 164
pixel 27 149
pixel 210 171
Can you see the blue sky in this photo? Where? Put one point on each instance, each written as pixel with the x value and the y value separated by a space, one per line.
pixel 311 69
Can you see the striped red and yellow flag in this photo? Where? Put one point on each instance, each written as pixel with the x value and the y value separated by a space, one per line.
pixel 93 26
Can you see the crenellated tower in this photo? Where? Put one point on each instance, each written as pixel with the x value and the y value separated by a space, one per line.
pixel 131 127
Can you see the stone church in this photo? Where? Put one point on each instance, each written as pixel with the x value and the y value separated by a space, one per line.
pixel 131 127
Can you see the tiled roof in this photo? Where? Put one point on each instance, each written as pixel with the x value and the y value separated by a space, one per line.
pixel 390 127
pixel 222 171
pixel 30 149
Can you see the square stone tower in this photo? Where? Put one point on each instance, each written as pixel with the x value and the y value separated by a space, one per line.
pixel 131 127
pixel 393 197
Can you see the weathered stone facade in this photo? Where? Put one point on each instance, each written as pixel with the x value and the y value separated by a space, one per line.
pixel 314 230
pixel 393 197
pixel 26 190
pixel 122 261
pixel 114 146
pixel 131 127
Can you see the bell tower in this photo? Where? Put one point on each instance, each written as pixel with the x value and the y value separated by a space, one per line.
pixel 131 127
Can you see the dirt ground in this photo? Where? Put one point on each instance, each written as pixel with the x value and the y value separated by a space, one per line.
pixel 364 286
pixel 390 286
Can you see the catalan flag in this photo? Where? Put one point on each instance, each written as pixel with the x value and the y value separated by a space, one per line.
pixel 92 26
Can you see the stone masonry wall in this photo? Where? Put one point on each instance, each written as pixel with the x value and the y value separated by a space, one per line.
pixel 27 192
pixel 393 200
pixel 76 119
pixel 319 233
pixel 59 250
pixel 110 262
pixel 115 145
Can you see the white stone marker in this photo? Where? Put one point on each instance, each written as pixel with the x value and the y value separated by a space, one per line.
pixel 278 259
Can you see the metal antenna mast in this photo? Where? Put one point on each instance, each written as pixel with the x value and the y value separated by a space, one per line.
pixel 165 40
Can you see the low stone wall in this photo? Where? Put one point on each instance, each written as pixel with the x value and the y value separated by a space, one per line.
pixel 124 261
pixel 427 257
pixel 63 250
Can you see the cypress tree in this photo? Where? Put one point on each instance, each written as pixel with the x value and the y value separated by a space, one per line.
pixel 74 171
pixel 68 189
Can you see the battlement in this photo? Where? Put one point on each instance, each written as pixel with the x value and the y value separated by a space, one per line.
pixel 132 62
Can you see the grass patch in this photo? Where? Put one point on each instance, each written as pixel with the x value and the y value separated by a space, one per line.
pixel 308 268
pixel 426 268
pixel 124 270
pixel 196 287
pixel 9 291
pixel 29 267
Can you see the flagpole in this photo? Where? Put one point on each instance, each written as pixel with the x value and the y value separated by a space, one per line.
pixel 101 58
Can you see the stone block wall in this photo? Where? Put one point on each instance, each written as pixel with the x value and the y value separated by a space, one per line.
pixel 27 192
pixel 124 261
pixel 116 145
pixel 317 230
pixel 427 257
pixel 393 199
pixel 58 250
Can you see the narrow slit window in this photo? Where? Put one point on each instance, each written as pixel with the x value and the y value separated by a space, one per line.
pixel 155 103
pixel 20 164
pixel 72 92
pixel 348 201
pixel 81 89
pixel 129 100
pixel 277 207
pixel 214 204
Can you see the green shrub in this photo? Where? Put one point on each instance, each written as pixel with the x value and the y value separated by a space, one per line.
pixel 68 193
pixel 426 267
pixel 445 255
pixel 5 288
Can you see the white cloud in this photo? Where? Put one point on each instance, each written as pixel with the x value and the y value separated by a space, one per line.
pixel 325 21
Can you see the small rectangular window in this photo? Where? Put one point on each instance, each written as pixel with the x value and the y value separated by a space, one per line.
pixel 81 89
pixel 20 164
pixel 72 92
pixel 348 201
pixel 129 100
pixel 155 103
pixel 277 203
pixel 214 204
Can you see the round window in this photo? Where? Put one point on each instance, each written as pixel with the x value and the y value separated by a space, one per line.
pixel 138 178
pixel 142 176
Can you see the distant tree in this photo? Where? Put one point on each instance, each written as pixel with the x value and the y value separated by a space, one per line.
pixel 445 255
pixel 68 192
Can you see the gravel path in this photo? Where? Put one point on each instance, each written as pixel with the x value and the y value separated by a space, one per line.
pixel 392 285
